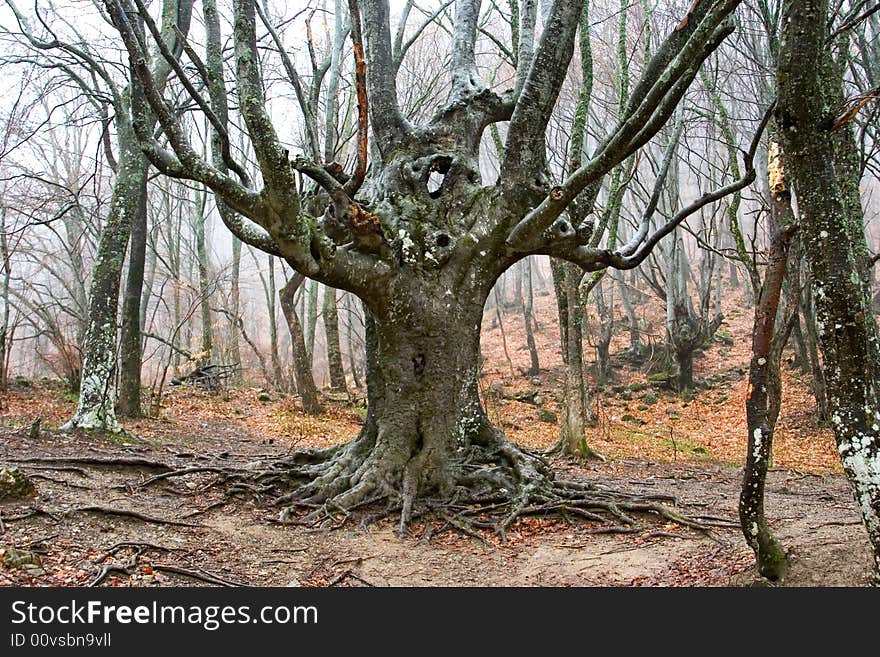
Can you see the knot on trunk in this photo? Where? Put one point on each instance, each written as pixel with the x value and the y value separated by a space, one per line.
pixel 418 364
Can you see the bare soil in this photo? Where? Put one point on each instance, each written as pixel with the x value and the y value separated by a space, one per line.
pixel 74 523
pixel 655 442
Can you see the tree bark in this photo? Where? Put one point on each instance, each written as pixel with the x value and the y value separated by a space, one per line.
pixel 97 398
pixel 302 368
pixel 207 342
pixel 765 392
pixel 817 157
pixel 331 329
pixel 528 318
pixel 130 343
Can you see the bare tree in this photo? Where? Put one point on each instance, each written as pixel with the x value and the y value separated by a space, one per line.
pixel 424 242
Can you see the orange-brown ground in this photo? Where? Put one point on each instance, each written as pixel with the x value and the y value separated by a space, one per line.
pixel 693 451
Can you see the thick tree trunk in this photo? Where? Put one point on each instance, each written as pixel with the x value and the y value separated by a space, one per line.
pixel 426 431
pixel 331 329
pixel 96 406
pixel 130 351
pixel 302 368
pixel 817 157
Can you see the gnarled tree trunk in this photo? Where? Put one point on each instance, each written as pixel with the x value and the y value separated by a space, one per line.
pixel 423 255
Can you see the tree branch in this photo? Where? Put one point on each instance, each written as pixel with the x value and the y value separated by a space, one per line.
pixel 389 125
pixel 524 152
pixel 651 104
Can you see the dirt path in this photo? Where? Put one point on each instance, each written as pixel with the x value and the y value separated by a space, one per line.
pixel 239 541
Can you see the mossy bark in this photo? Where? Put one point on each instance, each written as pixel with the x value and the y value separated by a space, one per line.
pixel 765 393
pixel 818 156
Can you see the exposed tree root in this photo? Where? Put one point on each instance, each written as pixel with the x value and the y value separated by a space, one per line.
pixel 492 483
pixel 130 567
pixel 201 575
pixel 57 514
pixel 129 461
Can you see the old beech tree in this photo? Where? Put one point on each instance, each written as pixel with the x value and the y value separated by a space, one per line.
pixel 424 259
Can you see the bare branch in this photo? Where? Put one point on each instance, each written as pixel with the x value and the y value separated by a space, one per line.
pixel 311 122
pixel 388 124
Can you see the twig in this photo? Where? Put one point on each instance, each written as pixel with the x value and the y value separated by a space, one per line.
pixel 37 541
pixel 300 549
pixel 113 549
pixel 463 527
pixel 338 578
pixel 361 579
pixel 838 523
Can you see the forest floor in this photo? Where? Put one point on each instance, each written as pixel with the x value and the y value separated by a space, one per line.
pixel 97 518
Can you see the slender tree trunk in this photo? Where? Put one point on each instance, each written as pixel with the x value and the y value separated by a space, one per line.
pixel 499 302
pixel 273 326
pixel 311 314
pixel 207 343
pixel 149 279
pixel 302 368
pixel 174 258
pixel 765 392
pixel 575 411
pixel 349 339
pixel 130 343
pixel 528 318
pixel 235 309
pixel 606 325
pixel 331 329
pixel 5 276
pixel 635 352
